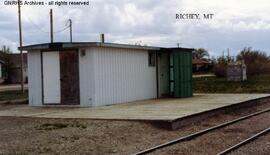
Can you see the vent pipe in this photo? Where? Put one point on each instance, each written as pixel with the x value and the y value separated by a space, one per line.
pixel 102 38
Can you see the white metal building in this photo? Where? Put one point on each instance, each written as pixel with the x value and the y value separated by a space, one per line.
pixel 95 74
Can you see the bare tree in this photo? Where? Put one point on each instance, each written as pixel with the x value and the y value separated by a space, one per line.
pixel 6 49
pixel 201 53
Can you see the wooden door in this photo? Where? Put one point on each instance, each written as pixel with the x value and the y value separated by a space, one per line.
pixel 69 77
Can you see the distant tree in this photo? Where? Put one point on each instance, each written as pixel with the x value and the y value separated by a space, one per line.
pixel 6 49
pixel 201 53
pixel 257 62
pixel 220 66
pixel 5 56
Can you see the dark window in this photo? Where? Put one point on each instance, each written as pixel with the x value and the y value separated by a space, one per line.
pixel 152 59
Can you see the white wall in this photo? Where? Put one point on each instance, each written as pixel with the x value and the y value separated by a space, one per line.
pixel 122 75
pixel 86 76
pixel 34 78
pixel 107 76
pixel 51 78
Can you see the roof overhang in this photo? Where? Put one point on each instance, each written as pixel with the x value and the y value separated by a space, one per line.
pixel 76 45
pixel 62 45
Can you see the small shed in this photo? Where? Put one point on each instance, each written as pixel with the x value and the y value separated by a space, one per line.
pixel 94 73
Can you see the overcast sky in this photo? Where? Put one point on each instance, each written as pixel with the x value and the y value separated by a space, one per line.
pixel 236 23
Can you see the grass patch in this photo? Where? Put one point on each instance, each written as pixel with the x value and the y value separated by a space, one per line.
pixel 254 84
pixel 12 95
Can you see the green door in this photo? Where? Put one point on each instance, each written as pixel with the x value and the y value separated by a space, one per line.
pixel 181 73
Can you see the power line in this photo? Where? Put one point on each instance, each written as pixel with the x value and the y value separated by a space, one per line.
pixel 40 29
pixel 59 31
pixel 69 23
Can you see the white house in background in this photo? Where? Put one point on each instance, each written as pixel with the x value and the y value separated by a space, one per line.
pixel 95 74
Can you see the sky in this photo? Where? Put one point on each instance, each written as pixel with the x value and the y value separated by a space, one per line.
pixel 235 25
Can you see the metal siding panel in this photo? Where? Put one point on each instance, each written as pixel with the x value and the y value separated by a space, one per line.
pixel 183 73
pixel 190 75
pixel 123 75
pixel 181 70
pixel 176 74
pixel 51 77
pixel 34 78
pixel 86 75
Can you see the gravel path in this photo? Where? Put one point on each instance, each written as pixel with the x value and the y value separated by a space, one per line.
pixel 81 136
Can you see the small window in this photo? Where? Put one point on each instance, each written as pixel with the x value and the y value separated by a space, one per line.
pixel 152 59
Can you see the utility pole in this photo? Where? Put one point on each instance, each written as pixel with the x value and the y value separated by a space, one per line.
pixel 70 29
pixel 21 52
pixel 51 24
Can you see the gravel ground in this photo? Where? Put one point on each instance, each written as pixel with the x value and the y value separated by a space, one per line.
pixel 219 140
pixel 259 146
pixel 80 136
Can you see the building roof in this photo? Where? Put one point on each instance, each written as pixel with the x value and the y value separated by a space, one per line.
pixel 68 45
pixel 199 61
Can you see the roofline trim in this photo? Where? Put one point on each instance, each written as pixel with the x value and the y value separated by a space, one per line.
pixel 62 45
pixel 68 45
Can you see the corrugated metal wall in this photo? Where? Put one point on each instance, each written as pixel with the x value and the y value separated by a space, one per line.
pixel 122 75
pixel 86 76
pixel 51 77
pixel 113 75
pixel 34 78
pixel 182 68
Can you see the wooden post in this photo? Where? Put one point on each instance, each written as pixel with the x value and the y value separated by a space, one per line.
pixel 51 24
pixel 21 52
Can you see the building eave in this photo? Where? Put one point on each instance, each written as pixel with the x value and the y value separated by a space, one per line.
pixel 62 45
pixel 76 45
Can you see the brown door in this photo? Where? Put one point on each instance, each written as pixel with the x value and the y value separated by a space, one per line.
pixel 69 77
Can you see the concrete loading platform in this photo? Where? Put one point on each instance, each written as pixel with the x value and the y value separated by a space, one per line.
pixel 164 110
